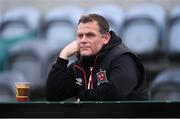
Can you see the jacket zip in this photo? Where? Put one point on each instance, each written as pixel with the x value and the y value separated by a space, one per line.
pixel 90 83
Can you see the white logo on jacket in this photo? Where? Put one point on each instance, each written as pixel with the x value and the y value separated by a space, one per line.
pixel 79 81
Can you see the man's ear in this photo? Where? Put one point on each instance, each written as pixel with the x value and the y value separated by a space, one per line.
pixel 107 37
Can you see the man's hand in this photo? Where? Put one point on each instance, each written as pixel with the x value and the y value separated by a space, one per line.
pixel 69 50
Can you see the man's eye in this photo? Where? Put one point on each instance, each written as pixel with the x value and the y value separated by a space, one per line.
pixel 90 35
pixel 79 36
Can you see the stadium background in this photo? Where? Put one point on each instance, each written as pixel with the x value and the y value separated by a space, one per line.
pixel 160 65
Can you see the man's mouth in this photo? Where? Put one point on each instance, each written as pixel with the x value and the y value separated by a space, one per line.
pixel 84 48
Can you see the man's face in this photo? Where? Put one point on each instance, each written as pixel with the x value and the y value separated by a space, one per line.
pixel 89 39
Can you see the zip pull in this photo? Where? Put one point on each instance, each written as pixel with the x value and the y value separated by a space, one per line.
pixel 91 68
pixel 90 85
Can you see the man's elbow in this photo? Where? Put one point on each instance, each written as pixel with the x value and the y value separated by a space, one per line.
pixel 50 96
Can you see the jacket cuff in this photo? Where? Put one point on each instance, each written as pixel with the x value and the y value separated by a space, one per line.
pixel 62 62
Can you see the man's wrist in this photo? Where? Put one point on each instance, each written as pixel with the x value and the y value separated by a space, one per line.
pixel 63 56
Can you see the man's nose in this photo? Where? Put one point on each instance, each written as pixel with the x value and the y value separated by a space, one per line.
pixel 84 39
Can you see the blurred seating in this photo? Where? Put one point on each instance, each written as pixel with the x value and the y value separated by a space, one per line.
pixel 144 26
pixel 144 32
pixel 30 58
pixel 34 59
pixel 18 24
pixel 166 86
pixel 0 18
pixel 174 35
pixel 59 29
pixel 7 85
pixel 114 14
pixel 60 24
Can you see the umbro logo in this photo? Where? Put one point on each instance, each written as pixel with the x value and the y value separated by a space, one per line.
pixel 79 81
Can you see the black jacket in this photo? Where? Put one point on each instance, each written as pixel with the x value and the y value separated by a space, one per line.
pixel 117 74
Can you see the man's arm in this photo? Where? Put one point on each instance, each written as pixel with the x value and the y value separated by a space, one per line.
pixel 60 82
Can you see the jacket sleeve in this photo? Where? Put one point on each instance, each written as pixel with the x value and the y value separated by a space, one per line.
pixel 122 79
pixel 60 82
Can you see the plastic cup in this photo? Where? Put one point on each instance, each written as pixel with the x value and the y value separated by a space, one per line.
pixel 22 91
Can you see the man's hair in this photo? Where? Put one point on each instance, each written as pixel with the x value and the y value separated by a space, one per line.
pixel 101 21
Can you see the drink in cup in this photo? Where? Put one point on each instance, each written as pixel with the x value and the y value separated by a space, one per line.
pixel 22 91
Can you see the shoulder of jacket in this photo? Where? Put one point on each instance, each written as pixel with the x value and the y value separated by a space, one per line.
pixel 119 50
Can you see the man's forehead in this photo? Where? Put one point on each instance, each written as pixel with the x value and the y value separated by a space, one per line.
pixel 87 27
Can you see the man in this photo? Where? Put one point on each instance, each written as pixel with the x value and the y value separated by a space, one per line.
pixel 106 70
